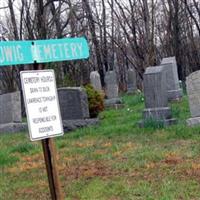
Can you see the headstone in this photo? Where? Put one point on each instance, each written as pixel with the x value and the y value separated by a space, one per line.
pixel 10 108
pixel 112 91
pixel 155 92
pixel 193 91
pixel 131 81
pixel 111 85
pixel 174 91
pixel 95 80
pixel 73 103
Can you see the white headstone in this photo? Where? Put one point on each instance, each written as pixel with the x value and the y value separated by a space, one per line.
pixel 95 80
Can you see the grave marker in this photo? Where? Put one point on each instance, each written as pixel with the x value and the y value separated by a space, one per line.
pixel 96 81
pixel 156 103
pixel 73 103
pixel 131 81
pixel 174 91
pixel 10 108
pixel 111 85
pixel 193 91
pixel 112 90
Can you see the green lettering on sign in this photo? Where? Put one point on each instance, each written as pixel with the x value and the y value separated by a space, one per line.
pixel 41 51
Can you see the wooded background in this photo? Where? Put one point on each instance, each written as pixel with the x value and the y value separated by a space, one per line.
pixel 122 34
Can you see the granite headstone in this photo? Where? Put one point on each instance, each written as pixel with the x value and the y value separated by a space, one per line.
pixel 155 95
pixel 174 91
pixel 193 91
pixel 112 91
pixel 111 85
pixel 131 81
pixel 10 108
pixel 73 103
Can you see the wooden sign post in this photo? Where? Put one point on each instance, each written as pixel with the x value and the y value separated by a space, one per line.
pixel 44 120
pixel 40 92
pixel 49 151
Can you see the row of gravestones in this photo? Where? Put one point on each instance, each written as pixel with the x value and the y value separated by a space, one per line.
pixel 161 85
pixel 111 86
pixel 73 105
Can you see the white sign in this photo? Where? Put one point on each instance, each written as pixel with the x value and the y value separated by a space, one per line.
pixel 41 102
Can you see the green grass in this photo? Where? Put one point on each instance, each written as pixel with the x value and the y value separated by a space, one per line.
pixel 115 160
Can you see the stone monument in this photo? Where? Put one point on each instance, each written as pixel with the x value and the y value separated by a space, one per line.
pixel 111 90
pixel 131 81
pixel 193 91
pixel 74 108
pixel 96 81
pixel 10 113
pixel 111 85
pixel 174 92
pixel 155 92
pixel 10 108
pixel 73 103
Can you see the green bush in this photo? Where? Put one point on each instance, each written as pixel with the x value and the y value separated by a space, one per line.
pixel 95 100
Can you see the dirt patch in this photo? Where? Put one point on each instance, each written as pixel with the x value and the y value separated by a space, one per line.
pixel 29 163
pixel 89 169
pixel 194 170
pixel 172 159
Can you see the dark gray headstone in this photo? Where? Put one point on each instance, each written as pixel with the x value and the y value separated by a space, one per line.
pixel 193 91
pixel 155 87
pixel 173 87
pixel 131 81
pixel 10 108
pixel 111 85
pixel 95 80
pixel 73 103
pixel 155 94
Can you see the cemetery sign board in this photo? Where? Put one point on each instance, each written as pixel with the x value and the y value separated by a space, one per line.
pixel 42 51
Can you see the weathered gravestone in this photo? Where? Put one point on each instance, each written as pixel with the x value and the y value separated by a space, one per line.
pixel 74 108
pixel 73 103
pixel 193 91
pixel 156 102
pixel 174 92
pixel 111 85
pixel 131 81
pixel 10 108
pixel 10 113
pixel 95 80
pixel 112 90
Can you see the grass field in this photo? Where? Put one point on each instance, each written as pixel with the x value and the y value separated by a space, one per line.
pixel 115 160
